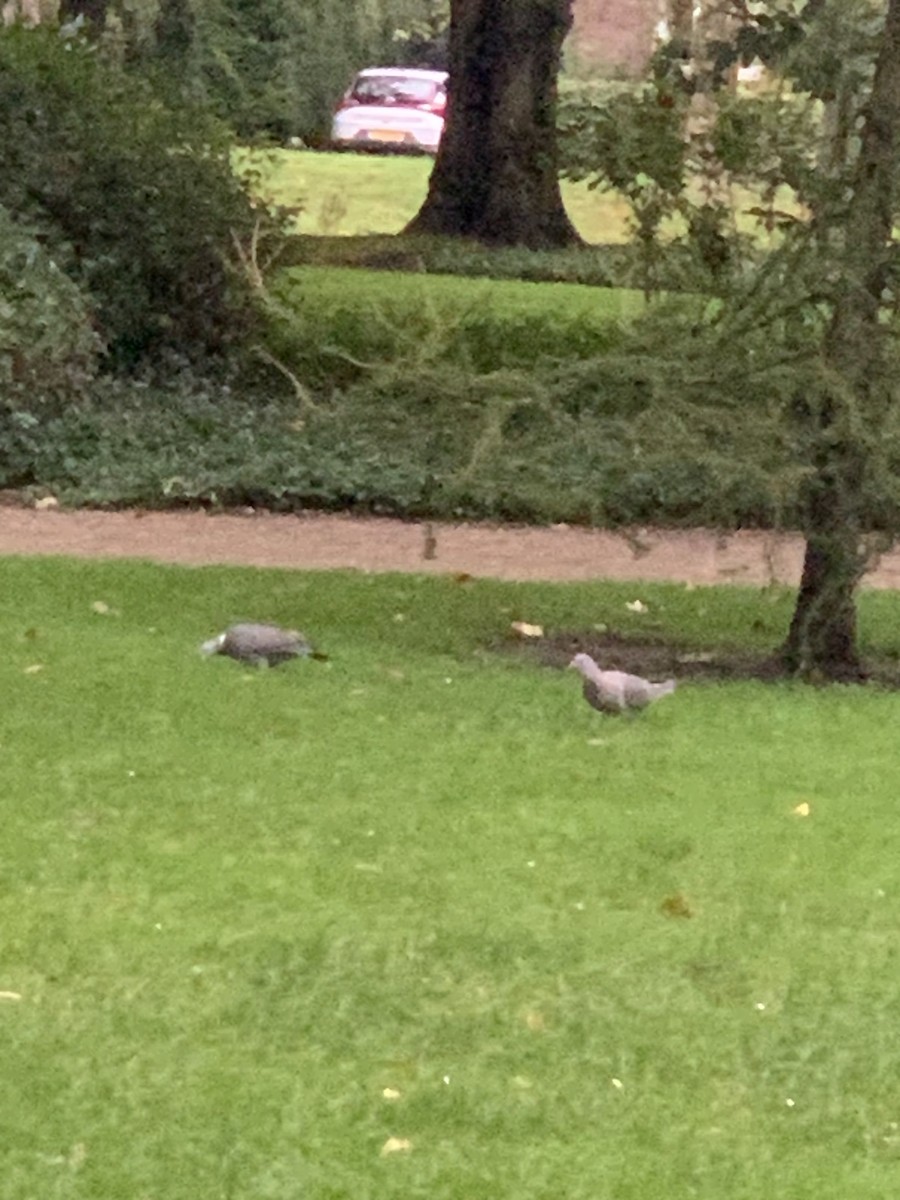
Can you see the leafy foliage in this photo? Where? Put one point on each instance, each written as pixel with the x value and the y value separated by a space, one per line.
pixel 136 202
pixel 274 69
pixel 602 440
pixel 48 347
pixel 335 319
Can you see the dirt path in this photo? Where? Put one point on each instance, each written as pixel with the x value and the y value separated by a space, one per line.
pixel 321 541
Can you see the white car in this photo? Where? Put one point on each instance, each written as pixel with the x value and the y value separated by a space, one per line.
pixel 396 107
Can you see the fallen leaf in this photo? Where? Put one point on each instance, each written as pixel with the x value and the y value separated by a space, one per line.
pixel 45 503
pixel 535 1020
pixel 802 810
pixel 676 906
pixel 524 630
pixel 33 669
pixel 10 995
pixel 395 1145
pixel 102 609
pixel 617 1084
pixel 636 606
pixel 390 1093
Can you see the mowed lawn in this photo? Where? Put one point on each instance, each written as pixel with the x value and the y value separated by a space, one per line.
pixel 358 194
pixel 257 924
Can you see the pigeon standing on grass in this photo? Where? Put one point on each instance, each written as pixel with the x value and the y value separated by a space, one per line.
pixel 616 691
pixel 261 645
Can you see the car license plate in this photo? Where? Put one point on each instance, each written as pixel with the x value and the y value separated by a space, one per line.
pixel 389 135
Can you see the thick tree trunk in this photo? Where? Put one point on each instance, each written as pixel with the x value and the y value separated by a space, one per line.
pixel 822 636
pixel 495 178
pixel 821 641
pixel 92 10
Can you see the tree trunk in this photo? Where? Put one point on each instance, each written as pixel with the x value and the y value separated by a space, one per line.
pixel 92 10
pixel 495 178
pixel 821 641
pixel 822 635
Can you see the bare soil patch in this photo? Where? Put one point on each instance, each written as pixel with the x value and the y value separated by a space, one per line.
pixel 653 658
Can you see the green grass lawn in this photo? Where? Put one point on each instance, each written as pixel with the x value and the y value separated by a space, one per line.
pixel 262 922
pixel 359 194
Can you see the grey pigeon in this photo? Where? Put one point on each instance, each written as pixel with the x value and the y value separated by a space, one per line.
pixel 261 645
pixel 616 691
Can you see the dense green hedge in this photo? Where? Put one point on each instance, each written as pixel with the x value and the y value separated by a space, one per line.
pixel 133 200
pixel 337 325
pixel 421 396
pixel 532 446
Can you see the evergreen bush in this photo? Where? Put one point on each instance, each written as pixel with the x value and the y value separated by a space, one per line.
pixel 136 202
pixel 48 348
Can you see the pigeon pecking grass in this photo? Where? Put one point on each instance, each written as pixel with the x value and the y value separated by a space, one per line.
pixel 261 645
pixel 617 691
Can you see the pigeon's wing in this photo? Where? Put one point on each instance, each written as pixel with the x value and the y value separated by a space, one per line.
pixel 637 692
pixel 606 698
pixel 263 643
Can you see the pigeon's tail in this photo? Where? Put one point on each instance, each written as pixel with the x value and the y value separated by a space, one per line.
pixel 663 689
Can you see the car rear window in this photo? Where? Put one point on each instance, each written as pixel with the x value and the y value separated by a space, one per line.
pixel 384 89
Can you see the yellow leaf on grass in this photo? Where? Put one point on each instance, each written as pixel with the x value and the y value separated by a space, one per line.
pixel 802 810
pixel 524 630
pixel 103 609
pixel 33 669
pixel 395 1145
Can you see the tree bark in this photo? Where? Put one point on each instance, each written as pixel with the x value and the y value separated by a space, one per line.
pixel 495 178
pixel 92 10
pixel 822 636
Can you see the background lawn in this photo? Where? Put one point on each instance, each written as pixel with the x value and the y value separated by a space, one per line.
pixel 357 194
pixel 261 922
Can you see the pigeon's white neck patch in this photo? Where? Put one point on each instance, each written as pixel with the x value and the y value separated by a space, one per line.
pixel 213 645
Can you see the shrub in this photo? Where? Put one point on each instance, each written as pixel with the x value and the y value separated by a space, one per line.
pixel 137 202
pixel 48 348
pixel 335 320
